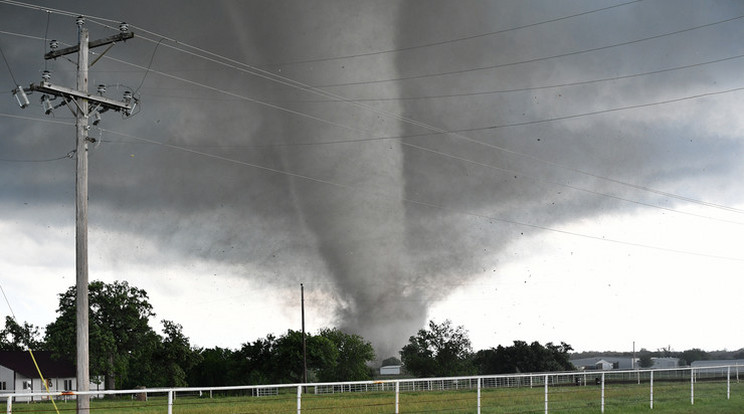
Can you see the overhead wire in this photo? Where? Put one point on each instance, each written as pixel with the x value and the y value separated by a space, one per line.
pixel 7 64
pixel 31 353
pixel 450 41
pixel 290 82
pixel 420 203
pixel 149 66
pixel 68 155
pixel 301 86
pixel 458 133
pixel 533 60
pixel 542 87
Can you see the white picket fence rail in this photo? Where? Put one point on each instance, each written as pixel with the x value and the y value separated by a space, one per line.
pixel 546 381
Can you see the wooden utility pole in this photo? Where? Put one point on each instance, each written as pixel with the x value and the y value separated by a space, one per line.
pixel 304 340
pixel 81 225
pixel 78 100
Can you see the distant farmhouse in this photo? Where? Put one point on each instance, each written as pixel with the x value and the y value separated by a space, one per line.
pixel 664 362
pixel 390 370
pixel 737 366
pixel 601 363
pixel 718 363
pixel 19 375
pixel 604 363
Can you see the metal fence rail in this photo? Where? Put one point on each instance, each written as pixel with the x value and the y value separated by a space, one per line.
pixel 557 391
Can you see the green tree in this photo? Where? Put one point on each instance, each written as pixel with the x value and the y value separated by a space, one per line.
pixel 214 368
pixel 175 356
pixel 321 354
pixel 254 363
pixel 15 337
pixel 390 361
pixel 118 329
pixel 644 358
pixel 440 350
pixel 353 353
pixel 522 357
pixel 691 355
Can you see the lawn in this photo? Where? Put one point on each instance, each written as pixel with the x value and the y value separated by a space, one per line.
pixel 669 397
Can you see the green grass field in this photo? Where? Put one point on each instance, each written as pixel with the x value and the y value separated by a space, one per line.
pixel 669 397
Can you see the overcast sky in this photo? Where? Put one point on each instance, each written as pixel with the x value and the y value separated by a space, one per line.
pixel 531 170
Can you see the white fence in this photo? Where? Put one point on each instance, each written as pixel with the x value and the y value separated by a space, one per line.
pixel 563 391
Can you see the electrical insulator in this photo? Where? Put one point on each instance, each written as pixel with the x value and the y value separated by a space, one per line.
pixel 80 21
pixel 53 44
pixel 101 89
pixel 46 104
pixel 129 100
pixel 123 27
pixel 21 97
pixel 46 76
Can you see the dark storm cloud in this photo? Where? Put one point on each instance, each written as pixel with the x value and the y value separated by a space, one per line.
pixel 394 228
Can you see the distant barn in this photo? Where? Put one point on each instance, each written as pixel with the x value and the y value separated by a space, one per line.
pixel 390 370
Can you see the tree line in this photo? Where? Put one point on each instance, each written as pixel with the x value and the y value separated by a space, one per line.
pixel 126 352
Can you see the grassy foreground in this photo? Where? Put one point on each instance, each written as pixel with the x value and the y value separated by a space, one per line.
pixel 672 397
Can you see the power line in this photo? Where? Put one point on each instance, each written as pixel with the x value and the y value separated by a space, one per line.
pixel 15 82
pixel 572 187
pixel 601 112
pixel 70 154
pixel 450 41
pixel 541 87
pixel 480 164
pixel 56 11
pixel 521 62
pixel 312 89
pixel 420 203
pixel 457 134
pixel 149 65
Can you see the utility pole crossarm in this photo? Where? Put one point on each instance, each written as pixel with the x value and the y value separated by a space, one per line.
pixel 96 43
pixel 46 87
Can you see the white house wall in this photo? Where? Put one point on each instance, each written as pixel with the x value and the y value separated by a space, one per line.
pixel 6 376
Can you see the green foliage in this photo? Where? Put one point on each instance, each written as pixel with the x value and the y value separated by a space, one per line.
pixel 213 368
pixel 122 345
pixel 174 356
pixel 332 355
pixel 353 353
pixel 321 355
pixel 15 337
pixel 522 357
pixel 644 359
pixel 691 355
pixel 390 361
pixel 441 350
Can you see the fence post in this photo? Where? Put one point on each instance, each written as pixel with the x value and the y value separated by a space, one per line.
pixel 692 386
pixel 652 389
pixel 299 399
pixel 170 401
pixel 479 395
pixel 728 383
pixel 603 388
pixel 397 397
pixel 10 404
pixel 546 394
